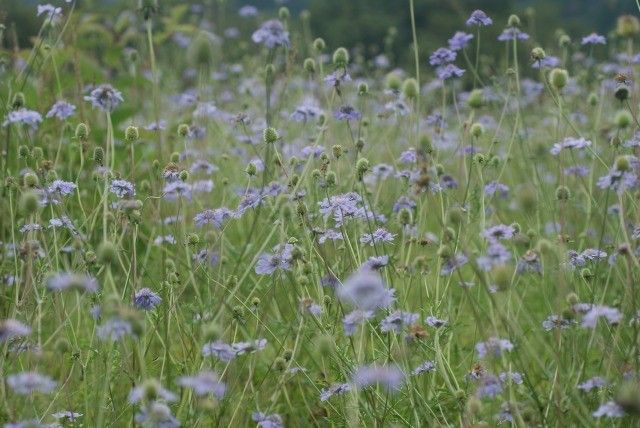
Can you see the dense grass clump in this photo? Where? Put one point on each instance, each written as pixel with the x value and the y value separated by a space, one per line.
pixel 212 227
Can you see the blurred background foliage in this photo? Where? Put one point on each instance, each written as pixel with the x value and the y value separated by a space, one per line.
pixel 371 26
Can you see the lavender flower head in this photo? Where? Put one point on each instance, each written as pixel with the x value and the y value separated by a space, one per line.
pixel 459 41
pixel 347 113
pixel 11 328
pixel 442 56
pixel 594 39
pixel 105 97
pixel 204 383
pixel 389 377
pixel 271 34
pixel 61 110
pixel 366 291
pixel 146 299
pixel 479 18
pixel 26 383
pixel 23 117
pixel 493 347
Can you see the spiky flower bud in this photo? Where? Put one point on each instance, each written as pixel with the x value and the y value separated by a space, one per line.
pixel 270 135
pixel 331 179
pixel 131 134
pixel 319 44
pixel 337 151
pixel 563 193
pixel 309 65
pixel 558 78
pixel 538 54
pixel 82 132
pixel 362 166
pixel 477 129
pixel 107 253
pixel 341 57
pixel 410 88
pixel 98 155
pixel 23 152
pixel 476 99
pixel 363 88
pixel 37 153
pixel 622 92
pixel 184 175
pixel 284 13
pixel 623 163
pixel 405 217
pixel 29 203
pixel 251 169
pixel 623 119
pixel 30 180
pixel 183 130
pixel 393 81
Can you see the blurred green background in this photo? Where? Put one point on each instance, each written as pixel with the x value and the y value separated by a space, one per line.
pixel 366 24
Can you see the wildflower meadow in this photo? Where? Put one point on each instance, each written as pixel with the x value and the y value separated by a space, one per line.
pixel 209 225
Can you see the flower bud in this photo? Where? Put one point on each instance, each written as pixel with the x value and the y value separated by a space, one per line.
pixel 362 166
pixel 107 253
pixel 341 57
pixel 82 132
pixel 477 129
pixel 623 119
pixel 319 44
pixel 183 130
pixel 309 65
pixel 363 88
pixel 270 135
pixel 29 203
pixel 627 26
pixel 131 134
pixel 538 54
pixel 476 99
pixel 410 88
pixel 337 151
pixel 30 180
pixel 513 21
pixel 563 193
pixel 622 92
pixel 558 78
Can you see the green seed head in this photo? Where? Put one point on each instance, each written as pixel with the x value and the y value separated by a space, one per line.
pixel 131 134
pixel 341 57
pixel 410 89
pixel 270 135
pixel 558 78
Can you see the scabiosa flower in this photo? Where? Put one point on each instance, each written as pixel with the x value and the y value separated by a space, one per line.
pixel 307 111
pixel 618 180
pixel 335 389
pixel 67 415
pixel 67 280
pixel 590 319
pixel 397 320
pixel 529 262
pixel 555 321
pixel 366 291
pixel 593 383
pixel 594 39
pixel 62 110
pixel 26 383
pixel 248 11
pixel 30 227
pixel 498 233
pixel 114 329
pixel 204 383
pixel 408 156
pixel 452 263
pixel 347 113
pixel 493 347
pixel 376 262
pixel 62 188
pixel 512 33
pixel 378 236
pixel 570 143
pixel 156 414
pixel 479 18
pixel 442 56
pixel 146 299
pixel 497 255
pixel 311 307
pixel 495 187
pixel 226 352
pixel 426 367
pixel 267 421
pixel 460 40
pixel 335 79
pixel 610 409
pixel 105 97
pixel 177 190
pixel 139 393
pixel 280 259
pixel 51 12
pixel 271 34
pixel 489 386
pixel 353 319
pixel 389 377
pixel 432 321
pixel 122 189
pixel 217 217
pixel 448 71
pixel 23 117
pixel 10 329
pixel 514 377
pixel 329 234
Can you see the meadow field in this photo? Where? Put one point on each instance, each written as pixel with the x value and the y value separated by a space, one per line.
pixel 235 226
